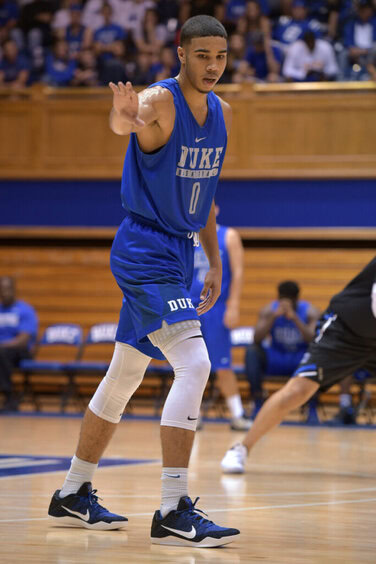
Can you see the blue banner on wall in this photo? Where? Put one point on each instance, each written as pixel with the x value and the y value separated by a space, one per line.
pixel 251 203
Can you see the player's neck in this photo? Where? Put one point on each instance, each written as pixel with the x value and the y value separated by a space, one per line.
pixel 194 98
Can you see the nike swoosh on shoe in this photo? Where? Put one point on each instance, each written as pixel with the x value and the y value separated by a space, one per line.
pixel 186 534
pixel 81 516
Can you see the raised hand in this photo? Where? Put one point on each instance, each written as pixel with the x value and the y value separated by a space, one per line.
pixel 125 102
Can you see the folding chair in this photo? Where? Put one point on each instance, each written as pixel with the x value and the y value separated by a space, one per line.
pixel 59 344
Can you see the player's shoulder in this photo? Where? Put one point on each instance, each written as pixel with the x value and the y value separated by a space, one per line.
pixel 227 112
pixel 157 94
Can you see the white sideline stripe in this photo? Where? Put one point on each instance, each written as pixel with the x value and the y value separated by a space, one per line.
pixel 234 509
pixel 26 462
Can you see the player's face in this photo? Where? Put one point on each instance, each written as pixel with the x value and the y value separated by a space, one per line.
pixel 204 59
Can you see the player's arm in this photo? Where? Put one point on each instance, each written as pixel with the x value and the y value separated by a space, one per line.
pixel 20 340
pixel 308 329
pixel 264 323
pixel 213 279
pixel 150 114
pixel 236 257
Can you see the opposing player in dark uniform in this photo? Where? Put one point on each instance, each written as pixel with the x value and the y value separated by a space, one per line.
pixel 345 342
pixel 178 140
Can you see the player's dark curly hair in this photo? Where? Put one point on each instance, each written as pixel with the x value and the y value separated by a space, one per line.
pixel 201 26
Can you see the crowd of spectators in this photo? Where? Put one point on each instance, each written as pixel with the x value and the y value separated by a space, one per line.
pixel 89 43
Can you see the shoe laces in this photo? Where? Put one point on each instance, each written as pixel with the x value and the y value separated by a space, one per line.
pixel 193 512
pixel 91 500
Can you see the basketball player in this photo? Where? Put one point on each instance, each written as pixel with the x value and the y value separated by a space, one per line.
pixel 216 323
pixel 177 144
pixel 345 342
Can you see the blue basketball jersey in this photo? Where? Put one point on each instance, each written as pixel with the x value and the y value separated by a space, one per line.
pixel 173 187
pixel 286 336
pixel 201 267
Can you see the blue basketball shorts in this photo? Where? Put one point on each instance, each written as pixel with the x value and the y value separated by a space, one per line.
pixel 216 336
pixel 154 271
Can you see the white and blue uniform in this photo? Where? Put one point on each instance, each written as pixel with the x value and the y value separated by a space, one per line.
pixel 167 196
pixel 216 335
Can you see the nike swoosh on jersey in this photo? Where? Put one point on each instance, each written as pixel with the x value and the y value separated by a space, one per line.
pixel 85 517
pixel 171 476
pixel 186 534
pixel 192 418
pixel 198 139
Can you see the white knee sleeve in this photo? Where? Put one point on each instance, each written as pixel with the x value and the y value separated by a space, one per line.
pixel 190 361
pixel 123 377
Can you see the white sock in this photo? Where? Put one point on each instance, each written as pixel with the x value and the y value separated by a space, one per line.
pixel 234 403
pixel 174 486
pixel 80 472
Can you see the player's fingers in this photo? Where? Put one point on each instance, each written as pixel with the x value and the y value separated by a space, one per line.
pixel 113 87
pixel 122 88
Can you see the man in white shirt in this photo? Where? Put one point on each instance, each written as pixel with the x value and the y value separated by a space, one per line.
pixel 310 59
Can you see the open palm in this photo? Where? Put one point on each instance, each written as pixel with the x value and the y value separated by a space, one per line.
pixel 125 102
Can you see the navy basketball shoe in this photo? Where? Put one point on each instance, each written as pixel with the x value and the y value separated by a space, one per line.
pixel 83 510
pixel 185 527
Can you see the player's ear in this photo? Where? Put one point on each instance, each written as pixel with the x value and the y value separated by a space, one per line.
pixel 181 54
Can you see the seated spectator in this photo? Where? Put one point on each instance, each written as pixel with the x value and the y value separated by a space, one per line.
pixel 92 16
pixel 14 67
pixel 238 69
pixel 256 20
pixel 132 13
pixel 109 38
pixel 142 71
pixel 358 38
pixel 236 9
pixel 340 11
pixel 109 48
pixel 60 69
pixel 265 59
pixel 290 29
pixel 75 34
pixel 310 59
pixel 62 17
pixel 9 14
pixel 86 73
pixel 289 324
pixel 152 35
pixel 167 66
pixel 18 332
pixel 37 17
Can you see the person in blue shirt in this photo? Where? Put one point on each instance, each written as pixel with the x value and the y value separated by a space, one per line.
pixel 178 136
pixel 359 38
pixel 264 58
pixel 289 29
pixel 109 48
pixel 60 69
pixel 14 67
pixel 282 334
pixel 217 322
pixel 18 332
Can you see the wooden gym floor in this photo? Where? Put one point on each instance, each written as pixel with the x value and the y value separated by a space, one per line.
pixel 309 495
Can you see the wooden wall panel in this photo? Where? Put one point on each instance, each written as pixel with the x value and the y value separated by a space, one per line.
pixel 326 130
pixel 75 284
